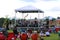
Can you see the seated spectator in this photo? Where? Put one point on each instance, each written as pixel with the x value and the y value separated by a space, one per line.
pixel 11 36
pixel 23 36
pixel 42 34
pixel 47 33
pixel 19 34
pixel 30 31
pixel 29 35
pixel 2 36
pixel 34 36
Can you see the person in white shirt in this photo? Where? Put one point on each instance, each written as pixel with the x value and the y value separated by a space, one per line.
pixel 41 34
pixel 47 34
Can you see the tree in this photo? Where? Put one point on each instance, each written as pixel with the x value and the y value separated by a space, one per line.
pixel 53 19
pixel 1 21
pixel 6 23
pixel 58 17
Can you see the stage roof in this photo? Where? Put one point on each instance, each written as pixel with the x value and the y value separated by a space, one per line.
pixel 29 9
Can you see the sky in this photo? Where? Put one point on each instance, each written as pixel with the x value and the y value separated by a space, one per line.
pixel 50 7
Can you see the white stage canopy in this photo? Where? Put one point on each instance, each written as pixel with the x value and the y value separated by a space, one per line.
pixel 29 9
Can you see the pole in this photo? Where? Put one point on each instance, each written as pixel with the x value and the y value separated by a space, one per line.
pixel 43 19
pixel 15 19
pixel 38 19
pixel 22 15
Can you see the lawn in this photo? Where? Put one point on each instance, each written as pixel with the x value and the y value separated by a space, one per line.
pixel 52 37
pixel 10 31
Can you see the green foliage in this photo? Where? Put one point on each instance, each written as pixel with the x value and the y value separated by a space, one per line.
pixel 10 31
pixel 1 21
pixel 53 19
pixel 58 17
pixel 4 21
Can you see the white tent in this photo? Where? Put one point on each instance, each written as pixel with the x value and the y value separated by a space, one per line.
pixel 28 9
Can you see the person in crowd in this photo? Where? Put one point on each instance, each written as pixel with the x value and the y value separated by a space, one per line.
pixel 59 33
pixel 19 34
pixel 2 36
pixel 41 34
pixel 5 32
pixel 50 30
pixel 29 35
pixel 35 24
pixel 29 32
pixel 47 33
pixel 24 36
pixel 53 29
pixel 34 36
pixel 15 31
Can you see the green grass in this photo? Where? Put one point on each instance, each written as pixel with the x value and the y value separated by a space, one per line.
pixel 10 31
pixel 52 37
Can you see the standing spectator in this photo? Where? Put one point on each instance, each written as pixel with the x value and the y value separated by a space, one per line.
pixel 5 32
pixel 15 31
pixel 53 28
pixel 50 30
pixel 59 34
pixel 35 24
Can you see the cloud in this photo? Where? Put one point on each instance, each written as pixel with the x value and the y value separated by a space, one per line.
pixel 7 6
pixel 48 0
pixel 28 0
pixel 37 0
pixel 54 9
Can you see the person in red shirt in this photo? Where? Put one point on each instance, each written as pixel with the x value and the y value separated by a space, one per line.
pixel 34 36
pixel 2 36
pixel 24 36
pixel 11 36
